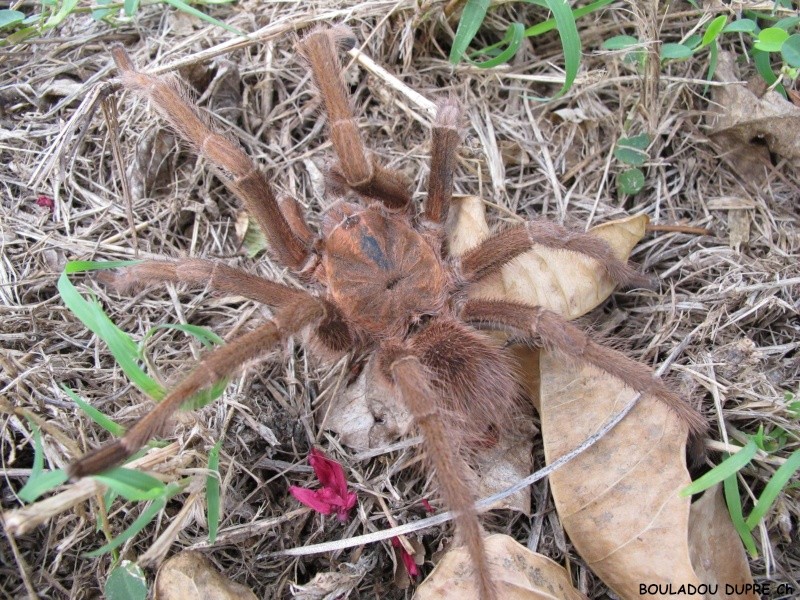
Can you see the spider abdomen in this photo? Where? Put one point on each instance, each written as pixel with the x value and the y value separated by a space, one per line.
pixel 381 273
pixel 476 376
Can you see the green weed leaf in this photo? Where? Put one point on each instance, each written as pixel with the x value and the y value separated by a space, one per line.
pixel 10 18
pixel 790 50
pixel 675 52
pixel 713 30
pixel 630 182
pixel 771 39
pixel 619 42
pixel 126 582
pixel 741 26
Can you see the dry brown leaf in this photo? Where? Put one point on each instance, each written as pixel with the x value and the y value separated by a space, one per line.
pixel 191 575
pixel 367 414
pixel 744 122
pixel 336 584
pixel 618 501
pixel 564 282
pixel 520 574
pixel 717 553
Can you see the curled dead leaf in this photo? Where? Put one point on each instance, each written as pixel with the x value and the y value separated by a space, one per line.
pixel 520 574
pixel 716 550
pixel 191 575
pixel 748 127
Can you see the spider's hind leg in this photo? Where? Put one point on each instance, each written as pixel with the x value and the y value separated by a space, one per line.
pixel 542 327
pixel 356 168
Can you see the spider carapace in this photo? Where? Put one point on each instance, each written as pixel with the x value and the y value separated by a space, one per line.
pixel 380 271
pixel 381 282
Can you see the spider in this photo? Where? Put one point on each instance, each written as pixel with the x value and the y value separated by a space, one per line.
pixel 380 282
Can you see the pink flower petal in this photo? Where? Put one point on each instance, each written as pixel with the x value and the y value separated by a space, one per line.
pixel 46 202
pixel 427 505
pixel 329 472
pixel 408 560
pixel 312 499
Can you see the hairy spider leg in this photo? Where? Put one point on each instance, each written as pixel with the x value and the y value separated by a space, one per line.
pixel 497 250
pixel 234 167
pixel 359 170
pixel 542 327
pixel 445 139
pixel 421 398
pixel 219 363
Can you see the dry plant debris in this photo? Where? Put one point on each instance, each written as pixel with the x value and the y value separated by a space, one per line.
pixel 730 305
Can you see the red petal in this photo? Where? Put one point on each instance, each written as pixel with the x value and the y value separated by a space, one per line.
pixel 45 201
pixel 408 560
pixel 427 505
pixel 329 472
pixel 312 499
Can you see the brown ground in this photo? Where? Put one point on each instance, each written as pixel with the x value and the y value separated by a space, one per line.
pixel 724 288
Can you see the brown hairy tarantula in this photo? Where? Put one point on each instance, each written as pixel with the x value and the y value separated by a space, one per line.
pixel 380 280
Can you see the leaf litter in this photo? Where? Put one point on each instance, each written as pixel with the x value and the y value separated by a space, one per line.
pixel 730 294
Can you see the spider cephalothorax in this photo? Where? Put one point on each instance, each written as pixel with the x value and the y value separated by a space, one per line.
pixel 380 281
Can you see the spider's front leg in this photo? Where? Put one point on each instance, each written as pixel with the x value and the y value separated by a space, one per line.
pixel 360 171
pixel 222 362
pixel 234 167
pixel 423 400
pixel 497 250
pixel 543 327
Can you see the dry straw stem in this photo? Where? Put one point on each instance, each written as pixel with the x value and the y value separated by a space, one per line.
pixel 740 302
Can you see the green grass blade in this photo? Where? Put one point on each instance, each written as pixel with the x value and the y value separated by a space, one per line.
pixel 64 11
pixel 209 339
pixel 727 468
pixel 42 484
pixel 774 487
pixel 734 503
pixel 551 24
pixel 91 314
pixel 764 68
pixel 95 415
pixel 204 335
pixel 212 492
pixel 191 10
pixel 471 19
pixel 134 486
pixel 148 514
pixel 39 481
pixel 513 38
pixel 570 44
